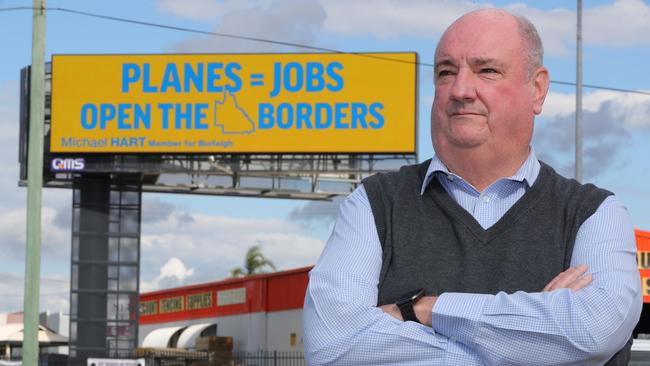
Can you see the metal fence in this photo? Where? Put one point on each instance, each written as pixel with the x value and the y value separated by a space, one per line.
pixel 267 358
pixel 43 360
pixel 194 358
pixel 162 357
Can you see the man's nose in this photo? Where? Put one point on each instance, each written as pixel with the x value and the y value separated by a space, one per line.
pixel 464 88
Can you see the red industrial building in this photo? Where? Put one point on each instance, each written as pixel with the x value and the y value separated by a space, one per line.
pixel 264 312
pixel 260 312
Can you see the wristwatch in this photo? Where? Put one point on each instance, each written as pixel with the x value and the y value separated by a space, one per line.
pixel 405 304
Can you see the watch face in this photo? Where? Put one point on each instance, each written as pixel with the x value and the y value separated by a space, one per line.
pixel 410 296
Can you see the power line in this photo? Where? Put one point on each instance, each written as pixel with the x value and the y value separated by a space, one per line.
pixel 18 8
pixel 591 86
pixel 227 35
pixel 283 43
pixel 61 280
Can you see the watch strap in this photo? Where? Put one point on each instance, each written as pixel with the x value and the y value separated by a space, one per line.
pixel 408 314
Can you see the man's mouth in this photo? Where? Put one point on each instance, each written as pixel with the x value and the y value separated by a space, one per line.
pixel 466 113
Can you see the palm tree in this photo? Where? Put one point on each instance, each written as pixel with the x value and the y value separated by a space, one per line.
pixel 255 262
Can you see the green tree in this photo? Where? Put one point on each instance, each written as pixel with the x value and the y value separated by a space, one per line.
pixel 254 263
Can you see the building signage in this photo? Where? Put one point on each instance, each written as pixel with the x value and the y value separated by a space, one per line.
pixel 148 307
pixel 231 297
pixel 171 305
pixel 643 261
pixel 199 301
pixel 245 103
pixel 67 164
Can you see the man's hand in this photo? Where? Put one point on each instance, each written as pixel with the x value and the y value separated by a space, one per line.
pixel 422 308
pixel 574 278
pixel 392 310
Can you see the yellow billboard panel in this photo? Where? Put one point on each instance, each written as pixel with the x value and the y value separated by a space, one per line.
pixel 240 103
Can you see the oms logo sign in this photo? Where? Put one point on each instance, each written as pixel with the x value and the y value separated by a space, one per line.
pixel 265 103
pixel 67 164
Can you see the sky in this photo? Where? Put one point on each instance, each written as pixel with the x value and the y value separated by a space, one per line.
pixel 192 239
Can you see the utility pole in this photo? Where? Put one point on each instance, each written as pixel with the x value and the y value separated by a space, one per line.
pixel 578 160
pixel 34 187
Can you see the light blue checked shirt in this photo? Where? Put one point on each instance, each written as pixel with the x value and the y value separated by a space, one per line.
pixel 343 326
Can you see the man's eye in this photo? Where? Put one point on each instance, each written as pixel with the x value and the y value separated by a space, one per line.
pixel 488 70
pixel 443 73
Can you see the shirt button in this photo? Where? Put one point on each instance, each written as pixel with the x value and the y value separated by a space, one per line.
pixel 486 199
pixel 450 177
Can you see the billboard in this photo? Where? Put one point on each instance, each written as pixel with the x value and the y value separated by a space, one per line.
pixel 234 103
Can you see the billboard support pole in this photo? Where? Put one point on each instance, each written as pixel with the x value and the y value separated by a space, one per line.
pixel 34 187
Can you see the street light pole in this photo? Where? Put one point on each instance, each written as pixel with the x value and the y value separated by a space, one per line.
pixel 34 187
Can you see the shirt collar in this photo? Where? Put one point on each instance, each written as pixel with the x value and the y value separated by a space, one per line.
pixel 528 171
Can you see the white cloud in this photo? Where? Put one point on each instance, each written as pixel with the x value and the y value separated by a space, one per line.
pixel 623 23
pixel 392 18
pixel 175 268
pixel 556 27
pixel 619 24
pixel 213 245
pixel 156 210
pixel 55 241
pixel 559 104
pixel 9 110
pixel 288 250
pixel 609 121
pixel 54 292
pixel 295 21
pixel 195 9
pixel 10 194
pixel 172 273
pixel 317 211
pixel 629 109
pixel 9 126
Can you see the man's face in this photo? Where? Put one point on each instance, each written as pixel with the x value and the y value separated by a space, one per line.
pixel 484 96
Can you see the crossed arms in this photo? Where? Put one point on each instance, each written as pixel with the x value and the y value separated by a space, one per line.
pixel 344 326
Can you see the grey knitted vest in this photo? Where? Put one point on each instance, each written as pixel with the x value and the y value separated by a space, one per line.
pixel 431 242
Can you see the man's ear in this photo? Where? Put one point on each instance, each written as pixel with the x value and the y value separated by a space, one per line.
pixel 540 84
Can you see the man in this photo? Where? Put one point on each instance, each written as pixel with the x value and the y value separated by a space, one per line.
pixel 517 265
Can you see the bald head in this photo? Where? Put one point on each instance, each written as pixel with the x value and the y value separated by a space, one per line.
pixel 531 43
pixel 489 85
